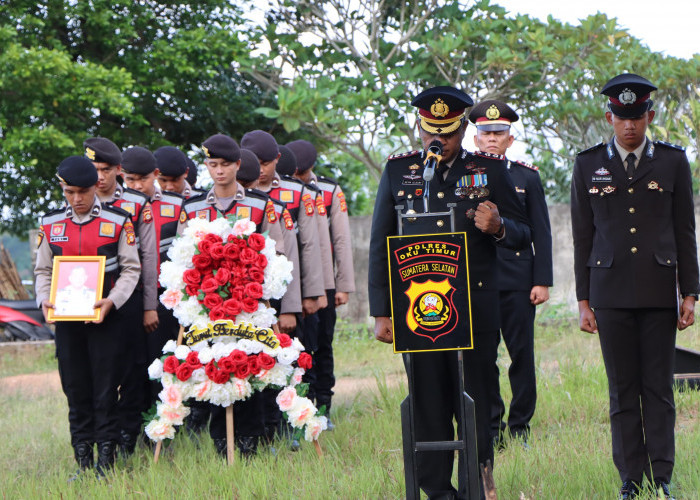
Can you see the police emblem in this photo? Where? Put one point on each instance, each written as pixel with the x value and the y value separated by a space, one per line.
pixel 594 190
pixel 270 212
pixel 431 312
pixel 414 167
pixel 202 214
pixel 129 230
pixel 243 212
pixel 147 215
pixel 90 153
pixel 167 210
pixel 627 97
pixel 58 229
pixel 320 206
pixel 653 185
pixel 400 193
pixel 286 196
pixel 492 113
pixel 419 192
pixel 287 217
pixel 183 217
pixel 343 203
pixel 439 108
pixel 308 204
pixel 107 229
pixel 129 206
pixel 602 171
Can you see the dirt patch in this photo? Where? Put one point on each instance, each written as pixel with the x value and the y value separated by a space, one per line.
pixel 346 388
pixel 34 384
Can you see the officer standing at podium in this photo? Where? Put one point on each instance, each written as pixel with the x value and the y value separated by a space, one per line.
pixel 491 215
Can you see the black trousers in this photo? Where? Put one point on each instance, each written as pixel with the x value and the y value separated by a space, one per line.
pixel 518 331
pixel 248 418
pixel 436 404
pixel 134 388
pixel 168 328
pixel 90 366
pixel 322 376
pixel 638 350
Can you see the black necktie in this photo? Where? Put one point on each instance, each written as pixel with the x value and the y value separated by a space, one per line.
pixel 440 172
pixel 629 164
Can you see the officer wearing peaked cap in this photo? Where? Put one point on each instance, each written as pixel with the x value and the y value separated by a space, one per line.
pixel 491 216
pixel 524 277
pixel 633 222
pixel 89 354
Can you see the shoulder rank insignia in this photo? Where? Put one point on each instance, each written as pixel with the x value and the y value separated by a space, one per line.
pixel 270 212
pixel 343 203
pixel 527 165
pixel 484 154
pixel 404 155
pixel 611 153
pixel 669 145
pixel 308 204
pixel 597 146
pixel 129 230
pixel 320 205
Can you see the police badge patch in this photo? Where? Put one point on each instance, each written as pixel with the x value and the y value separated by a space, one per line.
pixel 167 210
pixel 286 196
pixel 243 212
pixel 129 206
pixel 107 229
pixel 147 215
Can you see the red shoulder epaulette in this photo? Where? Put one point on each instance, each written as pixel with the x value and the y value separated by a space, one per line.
pixel 489 155
pixel 404 155
pixel 526 165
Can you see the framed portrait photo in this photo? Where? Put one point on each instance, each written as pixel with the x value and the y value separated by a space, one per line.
pixel 76 284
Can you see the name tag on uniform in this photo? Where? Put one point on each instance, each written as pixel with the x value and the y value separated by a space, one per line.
pixel 167 210
pixel 286 196
pixel 107 229
pixel 129 206
pixel 243 212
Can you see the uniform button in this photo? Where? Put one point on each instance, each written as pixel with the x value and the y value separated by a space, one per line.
pixel 633 230
pixel 633 249
pixel 480 284
pixel 517 254
pixel 441 195
pixel 597 263
pixel 631 210
pixel 410 196
pixel 668 261
pixel 440 223
pixel 630 190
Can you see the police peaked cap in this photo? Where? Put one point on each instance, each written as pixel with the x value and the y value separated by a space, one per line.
pixel 191 171
pixel 138 160
pixel 77 171
pixel 629 95
pixel 287 164
pixel 171 161
pixel 102 150
pixel 493 115
pixel 262 144
pixel 221 146
pixel 249 170
pixel 442 109
pixel 305 153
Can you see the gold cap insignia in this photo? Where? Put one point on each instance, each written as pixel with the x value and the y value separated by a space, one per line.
pixel 90 153
pixel 492 113
pixel 206 151
pixel 439 108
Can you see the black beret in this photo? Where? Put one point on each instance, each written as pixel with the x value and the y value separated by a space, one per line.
pixel 287 164
pixel 493 115
pixel 305 153
pixel 262 144
pixel 629 95
pixel 441 109
pixel 102 150
pixel 138 160
pixel 249 170
pixel 77 171
pixel 171 161
pixel 221 146
pixel 191 172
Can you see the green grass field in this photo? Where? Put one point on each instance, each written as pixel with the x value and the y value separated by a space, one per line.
pixel 569 455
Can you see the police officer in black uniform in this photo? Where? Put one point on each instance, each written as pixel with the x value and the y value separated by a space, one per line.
pixel 633 222
pixel 524 275
pixel 491 215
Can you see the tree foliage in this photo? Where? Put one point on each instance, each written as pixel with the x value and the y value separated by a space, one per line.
pixel 348 70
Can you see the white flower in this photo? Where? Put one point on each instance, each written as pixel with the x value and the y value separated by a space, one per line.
pixel 297 376
pixel 296 344
pixel 171 275
pixel 277 375
pixel 222 349
pixel 169 346
pixel 181 352
pixel 205 354
pixel 188 312
pixel 270 250
pixel 195 231
pixel 314 427
pixel 241 388
pixel 264 317
pixel 278 274
pixel 158 430
pixel 199 376
pixel 171 395
pixel 181 251
pixel 174 415
pixel 155 371
pixel 287 356
pixel 221 226
pixel 202 390
pixel 301 412
pixel 243 227
pixel 286 398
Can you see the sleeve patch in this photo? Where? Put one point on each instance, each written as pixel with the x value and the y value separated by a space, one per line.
pixel 308 204
pixel 343 203
pixel 287 217
pixel 320 205
pixel 270 212
pixel 130 235
pixel 183 216
pixel 40 237
pixel 147 215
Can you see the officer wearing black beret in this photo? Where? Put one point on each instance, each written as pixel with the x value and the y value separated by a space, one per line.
pixel 249 171
pixel 524 276
pixel 102 150
pixel 633 222
pixel 173 167
pixel 90 354
pixel 287 164
pixel 491 215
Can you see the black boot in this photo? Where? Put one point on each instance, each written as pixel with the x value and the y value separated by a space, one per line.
pixel 105 457
pixel 127 444
pixel 85 457
pixel 220 445
pixel 247 445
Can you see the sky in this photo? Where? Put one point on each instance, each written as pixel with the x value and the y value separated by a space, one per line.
pixel 669 27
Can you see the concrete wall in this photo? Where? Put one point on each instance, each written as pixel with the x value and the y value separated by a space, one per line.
pixel 563 292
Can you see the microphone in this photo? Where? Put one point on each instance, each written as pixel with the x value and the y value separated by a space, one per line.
pixel 432 158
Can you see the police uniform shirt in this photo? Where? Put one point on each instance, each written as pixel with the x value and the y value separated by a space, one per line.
pixel 624 153
pixel 129 263
pixel 168 207
pixel 341 239
pixel 147 248
pixel 324 240
pixel 190 191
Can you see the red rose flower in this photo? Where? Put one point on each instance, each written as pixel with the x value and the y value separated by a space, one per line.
pixel 261 261
pixel 285 340
pixel 210 369
pixel 204 246
pixel 242 370
pixel 227 364
pixel 184 372
pixel 209 285
pixel 253 365
pixel 221 376
pixel 239 357
pixel 256 241
pixel 248 256
pixel 241 244
pixel 192 290
pixel 250 305
pixel 212 300
pixel 231 251
pixel 217 251
pixel 193 359
pixel 230 238
pixel 192 277
pixel 222 275
pixel 170 364
pixel 237 292
pixel 305 361
pixel 217 313
pixel 256 275
pixel 213 238
pixel 202 261
pixel 254 290
pixel 232 308
pixel 267 362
